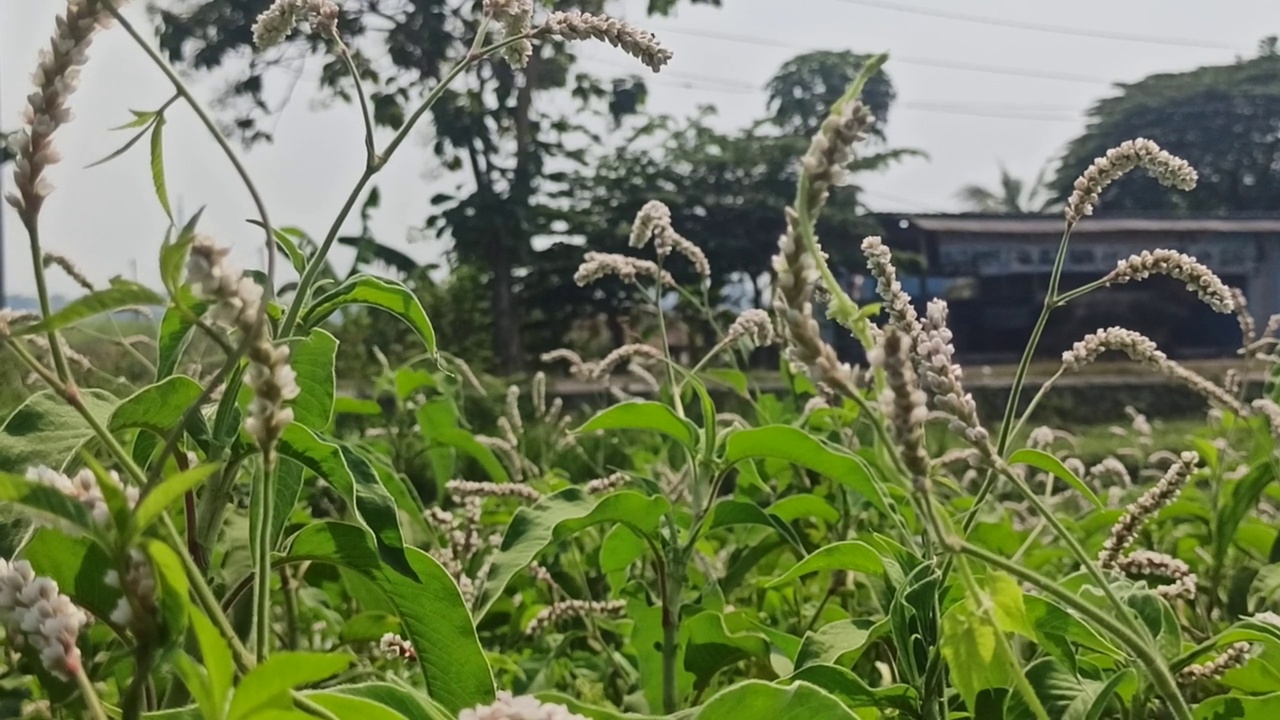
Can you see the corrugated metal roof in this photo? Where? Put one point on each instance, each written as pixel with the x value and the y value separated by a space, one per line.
pixel 1052 225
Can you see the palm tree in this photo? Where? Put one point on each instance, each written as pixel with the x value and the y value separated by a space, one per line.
pixel 1014 196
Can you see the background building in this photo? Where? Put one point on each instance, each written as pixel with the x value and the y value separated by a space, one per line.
pixel 994 272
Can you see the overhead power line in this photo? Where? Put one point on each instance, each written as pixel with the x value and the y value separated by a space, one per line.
pixel 1039 27
pixel 894 58
pixel 998 111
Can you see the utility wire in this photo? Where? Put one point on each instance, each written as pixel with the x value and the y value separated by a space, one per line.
pixel 942 63
pixel 1033 113
pixel 1038 27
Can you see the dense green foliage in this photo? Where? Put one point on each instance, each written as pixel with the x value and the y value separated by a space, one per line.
pixel 242 537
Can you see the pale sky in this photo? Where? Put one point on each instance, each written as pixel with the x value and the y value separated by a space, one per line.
pixel 967 120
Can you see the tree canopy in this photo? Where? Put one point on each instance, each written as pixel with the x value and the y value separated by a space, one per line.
pixel 1224 120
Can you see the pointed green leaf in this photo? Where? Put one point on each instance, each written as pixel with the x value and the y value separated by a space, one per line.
pixel 433 614
pixel 710 646
pixel 215 657
pixel 1236 707
pixel 839 643
pixel 120 294
pixel 793 445
pixel 643 415
pixel 313 360
pixel 351 475
pixel 45 502
pixel 266 684
pixel 408 703
pixel 729 512
pixel 756 700
pixel 45 430
pixel 854 692
pixel 848 555
pixel 1063 695
pixel 175 328
pixel 160 407
pixel 387 295
pixel 78 565
pixel 284 238
pixel 165 493
pixel 558 516
pixel 969 646
pixel 157 166
pixel 1044 461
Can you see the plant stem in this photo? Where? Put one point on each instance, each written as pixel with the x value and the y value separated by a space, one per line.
pixel 305 284
pixel 90 695
pixel 42 292
pixel 670 588
pixel 371 151
pixel 265 492
pixel 181 88
pixel 1159 672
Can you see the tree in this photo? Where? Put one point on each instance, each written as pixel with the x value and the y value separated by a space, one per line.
pixel 1014 196
pixel 1225 120
pixel 726 192
pixel 493 128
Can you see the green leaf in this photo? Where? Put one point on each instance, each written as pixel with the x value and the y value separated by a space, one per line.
pixel 433 614
pixel 404 701
pixel 757 700
pixel 351 475
pixel 159 408
pixel 313 360
pixel 558 516
pixel 643 415
pixel 1008 603
pixel 157 166
pixel 1243 501
pixel 1063 695
pixel 969 646
pixel 1050 620
pixel 368 627
pixel 839 643
pixel 289 476
pixel 120 294
pixel 595 713
pixel 78 565
pixel 387 295
pixel 343 405
pixel 347 706
pixel 620 548
pixel 783 442
pixel 1044 461
pixel 854 692
pixel 175 587
pixel 161 495
pixel 171 338
pixel 1235 707
pixel 173 261
pixel 805 505
pixel 45 502
pixel 215 657
pixel 45 430
pixel 733 379
pixel 197 682
pixel 728 512
pixel 285 239
pixel 267 684
pixel 711 647
pixel 141 121
pixel 464 441
pixel 1102 700
pixel 848 555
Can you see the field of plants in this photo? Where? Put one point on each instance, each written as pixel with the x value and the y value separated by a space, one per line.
pixel 223 532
